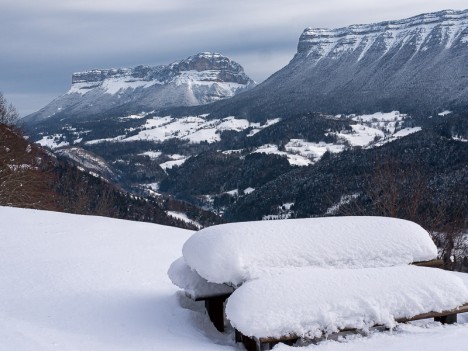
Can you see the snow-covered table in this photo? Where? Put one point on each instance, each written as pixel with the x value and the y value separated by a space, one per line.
pixel 237 252
pixel 311 302
pixel 217 260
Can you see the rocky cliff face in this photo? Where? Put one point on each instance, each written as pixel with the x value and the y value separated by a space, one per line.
pixel 416 65
pixel 198 79
pixel 445 29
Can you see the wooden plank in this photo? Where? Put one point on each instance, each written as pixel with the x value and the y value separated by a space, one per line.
pixel 250 344
pixel 461 309
pixel 203 298
pixel 446 317
pixel 450 319
pixel 281 339
pixel 432 263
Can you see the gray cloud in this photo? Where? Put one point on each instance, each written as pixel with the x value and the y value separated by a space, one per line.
pixel 43 42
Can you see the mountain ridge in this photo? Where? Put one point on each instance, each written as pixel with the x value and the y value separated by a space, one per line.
pixel 198 79
pixel 415 65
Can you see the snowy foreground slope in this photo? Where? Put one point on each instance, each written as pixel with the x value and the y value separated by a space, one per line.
pixel 72 282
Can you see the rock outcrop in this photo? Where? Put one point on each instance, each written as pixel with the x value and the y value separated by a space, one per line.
pixel 415 65
pixel 198 79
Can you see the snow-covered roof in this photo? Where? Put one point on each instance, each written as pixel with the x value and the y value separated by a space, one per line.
pixel 308 301
pixel 190 281
pixel 237 252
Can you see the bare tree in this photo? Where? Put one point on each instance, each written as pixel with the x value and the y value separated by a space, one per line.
pixel 8 113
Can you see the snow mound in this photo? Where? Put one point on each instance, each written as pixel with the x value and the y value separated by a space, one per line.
pixel 195 286
pixel 236 252
pixel 309 301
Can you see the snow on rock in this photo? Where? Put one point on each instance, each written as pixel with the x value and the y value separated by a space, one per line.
pixel 190 281
pixel 309 301
pixel 235 252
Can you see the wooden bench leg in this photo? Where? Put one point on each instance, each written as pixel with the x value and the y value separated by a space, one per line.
pixel 251 344
pixel 237 336
pixel 215 308
pixel 449 319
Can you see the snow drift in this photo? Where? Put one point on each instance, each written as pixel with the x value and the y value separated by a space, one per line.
pixel 236 252
pixel 190 281
pixel 308 301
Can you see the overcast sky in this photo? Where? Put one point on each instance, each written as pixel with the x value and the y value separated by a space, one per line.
pixel 44 41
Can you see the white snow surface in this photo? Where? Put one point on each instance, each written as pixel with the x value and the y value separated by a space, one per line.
pixel 309 301
pixel 195 129
pixel 293 159
pixel 416 336
pixel 249 190
pixel 313 151
pixel 190 281
pixel 445 113
pixel 74 283
pixel 344 200
pixel 78 283
pixel 400 134
pixel 152 154
pixel 175 162
pixel 183 216
pixel 393 116
pixel 333 43
pixel 52 141
pixel 361 135
pixel 236 252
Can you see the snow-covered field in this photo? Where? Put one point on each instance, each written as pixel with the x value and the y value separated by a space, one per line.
pixel 72 282
pixel 194 129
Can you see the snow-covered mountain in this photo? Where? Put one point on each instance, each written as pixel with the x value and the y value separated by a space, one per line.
pixel 412 65
pixel 199 79
pixel 341 92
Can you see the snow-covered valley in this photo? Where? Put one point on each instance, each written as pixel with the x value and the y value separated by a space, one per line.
pixel 365 131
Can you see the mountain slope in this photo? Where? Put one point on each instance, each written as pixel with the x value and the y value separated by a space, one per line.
pixel 420 177
pixel 198 79
pixel 415 65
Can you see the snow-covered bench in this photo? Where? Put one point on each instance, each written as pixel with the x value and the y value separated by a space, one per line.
pixel 308 302
pixel 199 289
pixel 219 259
